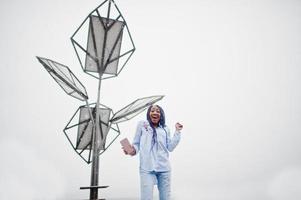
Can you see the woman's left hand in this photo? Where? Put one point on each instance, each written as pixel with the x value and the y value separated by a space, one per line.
pixel 179 126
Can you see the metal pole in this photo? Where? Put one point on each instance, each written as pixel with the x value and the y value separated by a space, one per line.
pixel 97 133
pixel 96 150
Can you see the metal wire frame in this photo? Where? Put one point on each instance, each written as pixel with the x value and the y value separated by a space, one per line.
pixel 108 61
pixel 55 75
pixel 134 112
pixel 75 43
pixel 88 147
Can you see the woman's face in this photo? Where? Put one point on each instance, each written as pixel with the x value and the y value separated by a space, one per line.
pixel 155 115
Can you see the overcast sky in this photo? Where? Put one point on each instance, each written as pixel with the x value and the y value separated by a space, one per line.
pixel 229 70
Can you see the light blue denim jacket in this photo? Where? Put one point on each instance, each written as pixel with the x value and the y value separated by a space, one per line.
pixel 154 157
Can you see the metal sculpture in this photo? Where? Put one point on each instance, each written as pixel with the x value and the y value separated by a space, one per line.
pixel 103 45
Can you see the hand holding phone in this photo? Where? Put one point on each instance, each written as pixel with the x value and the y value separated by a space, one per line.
pixel 127 147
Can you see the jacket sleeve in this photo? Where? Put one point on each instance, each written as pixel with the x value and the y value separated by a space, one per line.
pixel 136 140
pixel 172 142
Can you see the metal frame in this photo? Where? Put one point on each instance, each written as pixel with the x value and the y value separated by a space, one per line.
pixel 135 111
pixel 103 65
pixel 88 148
pixel 69 83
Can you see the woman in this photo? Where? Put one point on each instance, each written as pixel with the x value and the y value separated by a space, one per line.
pixel 152 140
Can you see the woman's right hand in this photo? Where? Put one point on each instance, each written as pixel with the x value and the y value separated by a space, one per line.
pixel 132 152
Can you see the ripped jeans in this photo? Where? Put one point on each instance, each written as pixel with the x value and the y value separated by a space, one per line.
pixel 149 179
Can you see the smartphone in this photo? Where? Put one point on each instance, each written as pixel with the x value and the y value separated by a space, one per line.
pixel 126 145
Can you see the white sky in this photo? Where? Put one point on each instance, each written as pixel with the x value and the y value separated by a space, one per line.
pixel 231 74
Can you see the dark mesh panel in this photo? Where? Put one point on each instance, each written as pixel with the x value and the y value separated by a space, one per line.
pixel 115 33
pixel 94 47
pixel 113 134
pixel 100 54
pixel 85 128
pixel 63 71
pixel 76 95
pixel 79 85
pixel 65 78
pixel 104 117
pixel 134 108
pixel 63 85
pixel 130 116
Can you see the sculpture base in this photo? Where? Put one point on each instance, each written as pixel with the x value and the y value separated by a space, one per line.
pixel 94 188
pixel 94 199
